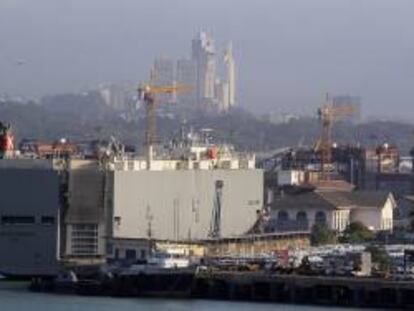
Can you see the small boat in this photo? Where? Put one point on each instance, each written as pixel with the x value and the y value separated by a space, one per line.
pixel 161 262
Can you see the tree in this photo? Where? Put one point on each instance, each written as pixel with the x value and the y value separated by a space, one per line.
pixel 380 257
pixel 357 232
pixel 321 235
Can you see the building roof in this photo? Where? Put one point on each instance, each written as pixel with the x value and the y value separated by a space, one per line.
pixel 338 199
pixel 332 185
pixel 332 200
pixel 410 198
pixel 368 198
pixel 308 199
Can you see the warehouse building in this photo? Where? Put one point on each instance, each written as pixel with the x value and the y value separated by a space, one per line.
pixel 336 209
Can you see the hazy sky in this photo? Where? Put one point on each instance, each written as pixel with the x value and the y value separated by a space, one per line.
pixel 288 52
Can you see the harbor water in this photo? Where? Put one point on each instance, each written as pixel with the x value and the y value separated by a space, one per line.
pixel 15 297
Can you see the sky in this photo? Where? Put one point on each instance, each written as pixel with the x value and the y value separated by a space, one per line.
pixel 289 53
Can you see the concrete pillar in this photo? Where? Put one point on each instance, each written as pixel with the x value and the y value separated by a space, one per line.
pixel 356 296
pixel 232 291
pixel 292 293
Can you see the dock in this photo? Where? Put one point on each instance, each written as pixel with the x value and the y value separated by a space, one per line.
pixel 249 286
pixel 299 289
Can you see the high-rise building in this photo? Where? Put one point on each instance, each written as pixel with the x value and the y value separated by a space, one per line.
pixel 114 96
pixel 186 75
pixel 200 72
pixel 162 73
pixel 203 54
pixel 230 75
pixel 222 96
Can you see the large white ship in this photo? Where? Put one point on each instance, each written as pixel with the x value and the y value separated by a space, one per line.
pixel 65 204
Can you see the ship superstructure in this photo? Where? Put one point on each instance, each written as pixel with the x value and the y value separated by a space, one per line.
pixel 90 196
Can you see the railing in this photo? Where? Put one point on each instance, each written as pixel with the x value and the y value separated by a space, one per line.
pixel 287 225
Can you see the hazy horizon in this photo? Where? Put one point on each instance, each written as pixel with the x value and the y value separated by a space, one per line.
pixel 288 52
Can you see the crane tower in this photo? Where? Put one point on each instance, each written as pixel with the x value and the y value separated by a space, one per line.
pixel 148 93
pixel 327 114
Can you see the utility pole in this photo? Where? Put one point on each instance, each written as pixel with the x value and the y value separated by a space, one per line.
pixel 149 217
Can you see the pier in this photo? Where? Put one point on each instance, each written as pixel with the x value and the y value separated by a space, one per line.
pixel 298 289
pixel 249 286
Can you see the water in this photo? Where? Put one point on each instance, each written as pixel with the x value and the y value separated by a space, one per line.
pixel 15 297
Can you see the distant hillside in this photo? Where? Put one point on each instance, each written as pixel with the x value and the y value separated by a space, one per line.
pixel 86 118
pixel 248 132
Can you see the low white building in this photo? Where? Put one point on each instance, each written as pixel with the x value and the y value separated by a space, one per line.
pixel 336 209
pixel 290 177
pixel 129 250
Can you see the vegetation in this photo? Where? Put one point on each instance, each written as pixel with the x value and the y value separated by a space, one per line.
pixel 80 116
pixel 321 235
pixel 380 257
pixel 356 232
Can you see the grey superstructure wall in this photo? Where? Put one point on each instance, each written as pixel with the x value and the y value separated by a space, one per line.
pixel 178 204
pixel 84 221
pixel 85 193
pixel 29 248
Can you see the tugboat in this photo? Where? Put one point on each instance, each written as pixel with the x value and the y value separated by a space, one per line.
pixel 161 262
pixel 165 274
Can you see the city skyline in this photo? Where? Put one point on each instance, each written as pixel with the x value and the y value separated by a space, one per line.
pixel 289 53
pixel 210 75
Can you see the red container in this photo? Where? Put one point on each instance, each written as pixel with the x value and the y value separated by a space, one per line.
pixel 6 142
pixel 212 153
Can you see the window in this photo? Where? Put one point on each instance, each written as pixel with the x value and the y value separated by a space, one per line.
pixel 143 254
pixel 130 254
pixel 302 221
pixel 48 220
pixel 117 221
pixel 282 216
pixel 109 248
pixel 85 227
pixel 301 216
pixel 84 238
pixel 320 218
pixel 17 220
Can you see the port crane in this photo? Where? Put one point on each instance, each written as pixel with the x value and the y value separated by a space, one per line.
pixel 328 114
pixel 147 93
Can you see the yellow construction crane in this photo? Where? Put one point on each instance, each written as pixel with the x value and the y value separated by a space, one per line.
pixel 328 113
pixel 148 93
